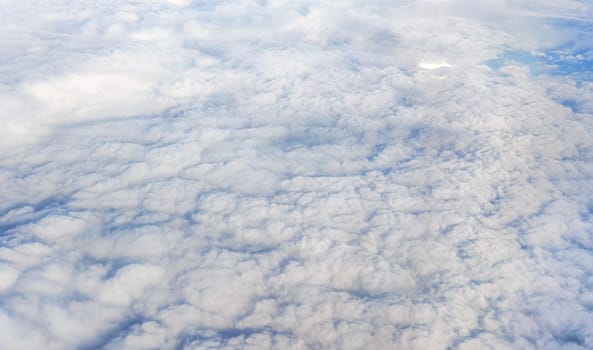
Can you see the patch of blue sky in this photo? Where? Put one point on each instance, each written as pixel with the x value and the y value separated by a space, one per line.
pixel 576 63
pixel 573 58
pixel 561 61
pixel 573 105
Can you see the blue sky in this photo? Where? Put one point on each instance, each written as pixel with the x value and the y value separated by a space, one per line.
pixel 182 174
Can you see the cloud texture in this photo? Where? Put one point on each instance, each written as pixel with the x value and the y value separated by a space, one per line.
pixel 296 175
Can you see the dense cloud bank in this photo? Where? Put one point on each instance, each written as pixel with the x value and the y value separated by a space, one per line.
pixel 314 174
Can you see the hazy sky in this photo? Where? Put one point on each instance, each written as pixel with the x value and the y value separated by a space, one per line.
pixel 296 174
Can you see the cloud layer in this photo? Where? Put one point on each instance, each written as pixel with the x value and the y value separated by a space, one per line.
pixel 312 174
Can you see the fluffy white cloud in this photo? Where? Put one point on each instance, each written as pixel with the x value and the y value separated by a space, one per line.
pixel 313 174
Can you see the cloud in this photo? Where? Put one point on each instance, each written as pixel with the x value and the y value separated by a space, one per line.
pixel 210 174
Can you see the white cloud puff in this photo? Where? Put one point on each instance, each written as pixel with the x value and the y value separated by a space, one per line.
pixel 271 175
